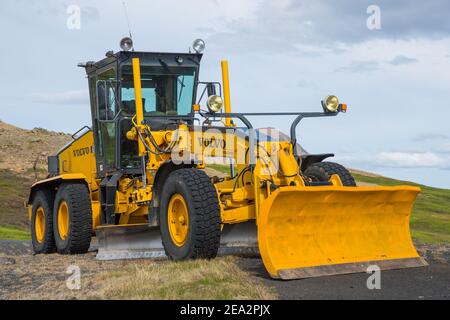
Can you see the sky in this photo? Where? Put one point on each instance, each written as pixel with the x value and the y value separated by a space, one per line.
pixel 388 60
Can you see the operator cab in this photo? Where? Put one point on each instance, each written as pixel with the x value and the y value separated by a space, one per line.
pixel 169 85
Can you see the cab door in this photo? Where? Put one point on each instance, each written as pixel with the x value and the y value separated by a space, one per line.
pixel 104 114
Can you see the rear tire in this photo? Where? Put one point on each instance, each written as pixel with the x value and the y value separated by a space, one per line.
pixel 42 222
pixel 72 216
pixel 193 200
pixel 322 171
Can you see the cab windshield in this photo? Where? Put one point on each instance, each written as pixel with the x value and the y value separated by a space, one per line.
pixel 164 92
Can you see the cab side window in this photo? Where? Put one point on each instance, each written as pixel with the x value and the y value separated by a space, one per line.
pixel 106 95
pixel 106 112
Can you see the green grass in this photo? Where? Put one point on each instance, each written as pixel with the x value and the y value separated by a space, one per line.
pixel 220 167
pixel 11 233
pixel 220 278
pixel 14 189
pixel 9 187
pixel 430 219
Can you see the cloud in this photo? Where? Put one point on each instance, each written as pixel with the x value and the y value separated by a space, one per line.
pixel 411 160
pixel 396 159
pixel 360 67
pixel 68 97
pixel 402 60
pixel 445 148
pixel 430 137
pixel 304 83
pixel 40 9
pixel 327 23
pixel 283 52
pixel 90 13
pixel 438 143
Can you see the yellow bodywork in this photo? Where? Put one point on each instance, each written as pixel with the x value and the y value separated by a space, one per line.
pixel 226 91
pixel 77 163
pixel 138 99
pixel 79 158
pixel 299 227
pixel 323 226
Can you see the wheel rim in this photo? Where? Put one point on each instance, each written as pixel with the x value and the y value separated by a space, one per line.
pixel 336 180
pixel 63 220
pixel 178 220
pixel 39 224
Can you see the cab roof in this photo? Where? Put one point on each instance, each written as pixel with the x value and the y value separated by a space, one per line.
pixel 146 58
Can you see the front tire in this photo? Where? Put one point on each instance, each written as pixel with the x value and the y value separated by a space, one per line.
pixel 190 216
pixel 322 172
pixel 42 222
pixel 72 216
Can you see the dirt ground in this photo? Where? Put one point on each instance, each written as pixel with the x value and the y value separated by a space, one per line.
pixel 27 276
pixel 44 276
pixel 21 149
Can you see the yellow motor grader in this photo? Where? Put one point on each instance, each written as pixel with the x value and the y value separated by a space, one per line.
pixel 136 179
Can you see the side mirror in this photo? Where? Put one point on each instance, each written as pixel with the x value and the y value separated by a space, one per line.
pixel 211 89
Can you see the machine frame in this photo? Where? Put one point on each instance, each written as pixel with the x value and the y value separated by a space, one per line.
pixel 130 208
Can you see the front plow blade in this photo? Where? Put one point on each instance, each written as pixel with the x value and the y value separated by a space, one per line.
pixel 317 231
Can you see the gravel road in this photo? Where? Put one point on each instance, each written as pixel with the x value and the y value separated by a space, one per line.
pixel 431 282
pixel 19 276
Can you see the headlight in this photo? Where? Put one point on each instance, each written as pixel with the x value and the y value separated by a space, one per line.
pixel 214 103
pixel 331 104
pixel 198 45
pixel 126 44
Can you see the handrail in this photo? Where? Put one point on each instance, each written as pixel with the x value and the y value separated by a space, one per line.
pixel 243 118
pixel 85 127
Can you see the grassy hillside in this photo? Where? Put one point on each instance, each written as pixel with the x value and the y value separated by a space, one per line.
pixel 430 220
pixel 14 190
pixel 22 150
pixel 12 233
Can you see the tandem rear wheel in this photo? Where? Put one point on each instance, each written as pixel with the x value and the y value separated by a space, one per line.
pixel 42 222
pixel 72 218
pixel 62 222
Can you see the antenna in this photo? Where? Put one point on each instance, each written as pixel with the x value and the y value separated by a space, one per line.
pixel 126 16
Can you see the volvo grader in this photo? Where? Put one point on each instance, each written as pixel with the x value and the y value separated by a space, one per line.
pixel 136 181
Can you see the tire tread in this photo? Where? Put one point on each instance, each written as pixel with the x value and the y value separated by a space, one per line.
pixel 46 197
pixel 77 196
pixel 330 168
pixel 206 239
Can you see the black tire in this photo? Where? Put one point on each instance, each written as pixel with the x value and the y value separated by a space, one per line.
pixel 322 171
pixel 79 232
pixel 43 199
pixel 203 235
